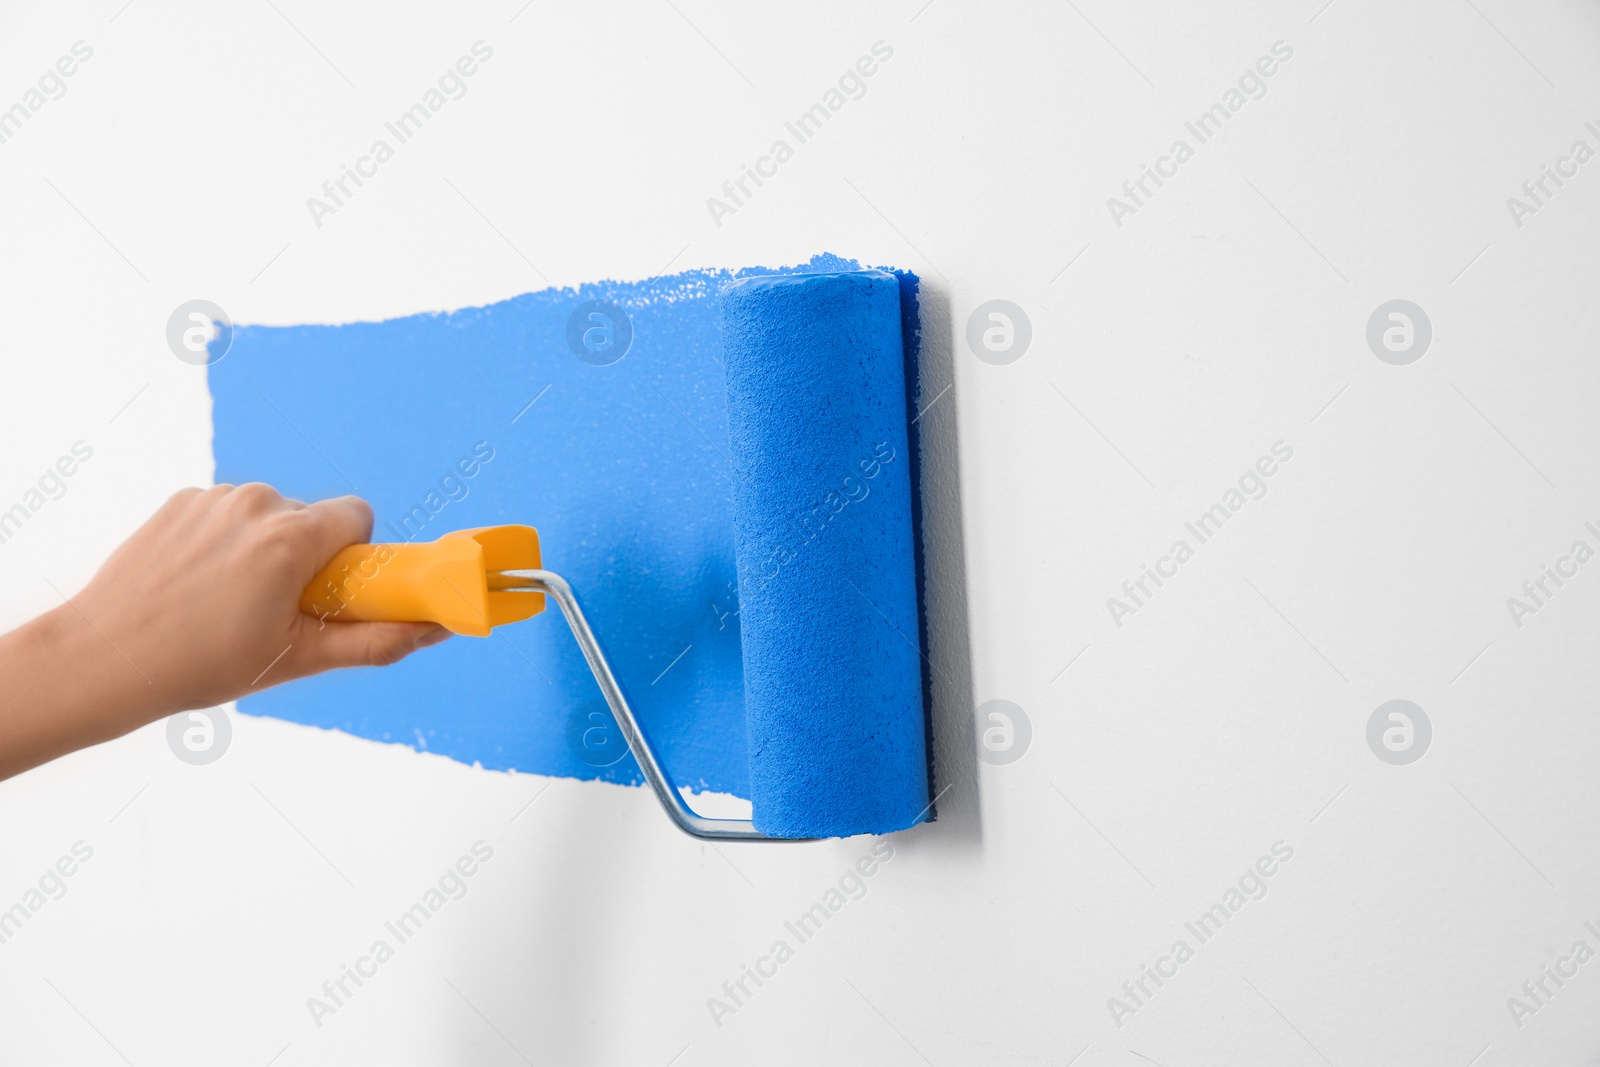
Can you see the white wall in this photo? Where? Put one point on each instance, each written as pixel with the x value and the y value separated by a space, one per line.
pixel 1227 714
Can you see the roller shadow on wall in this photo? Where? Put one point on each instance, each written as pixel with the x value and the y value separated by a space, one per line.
pixel 942 579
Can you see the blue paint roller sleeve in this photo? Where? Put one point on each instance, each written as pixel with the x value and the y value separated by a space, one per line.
pixel 823 542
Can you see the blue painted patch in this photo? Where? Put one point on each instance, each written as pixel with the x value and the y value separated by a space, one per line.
pixel 518 412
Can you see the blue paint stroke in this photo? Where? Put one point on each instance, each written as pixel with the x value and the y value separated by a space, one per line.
pixel 486 416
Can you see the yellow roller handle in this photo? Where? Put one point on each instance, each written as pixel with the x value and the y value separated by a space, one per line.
pixel 445 581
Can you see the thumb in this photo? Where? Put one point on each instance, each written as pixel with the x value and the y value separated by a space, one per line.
pixel 330 645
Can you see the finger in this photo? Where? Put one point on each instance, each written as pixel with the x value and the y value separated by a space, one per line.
pixel 175 511
pixel 327 646
pixel 335 523
pixel 174 506
pixel 181 499
pixel 257 498
pixel 186 503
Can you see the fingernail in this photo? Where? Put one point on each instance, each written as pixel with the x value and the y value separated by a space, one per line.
pixel 432 637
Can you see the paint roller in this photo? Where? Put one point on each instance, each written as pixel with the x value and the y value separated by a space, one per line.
pixel 825 550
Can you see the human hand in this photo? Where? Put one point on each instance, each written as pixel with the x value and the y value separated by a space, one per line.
pixel 199 606
pixel 203 600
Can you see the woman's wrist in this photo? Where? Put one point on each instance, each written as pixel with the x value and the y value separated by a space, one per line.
pixel 66 686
